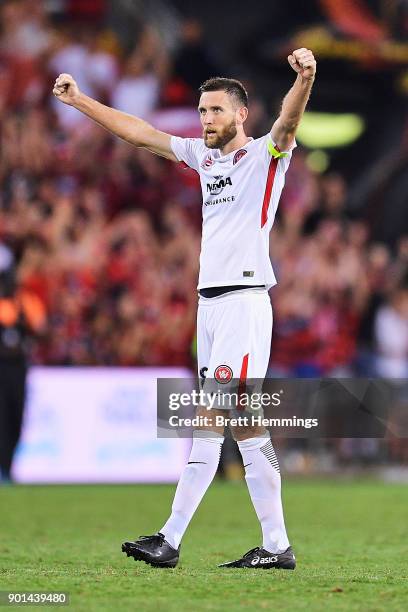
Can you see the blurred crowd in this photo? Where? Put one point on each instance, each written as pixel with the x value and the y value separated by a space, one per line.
pixel 107 236
pixel 341 305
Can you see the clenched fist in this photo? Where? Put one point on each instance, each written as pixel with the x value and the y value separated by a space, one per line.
pixel 303 62
pixel 66 89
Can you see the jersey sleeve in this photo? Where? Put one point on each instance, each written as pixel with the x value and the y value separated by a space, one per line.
pixel 188 150
pixel 268 149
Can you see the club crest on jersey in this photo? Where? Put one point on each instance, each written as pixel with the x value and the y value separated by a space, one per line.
pixel 218 185
pixel 223 374
pixel 239 155
pixel 207 163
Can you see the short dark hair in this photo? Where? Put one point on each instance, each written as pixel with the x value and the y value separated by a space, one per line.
pixel 230 86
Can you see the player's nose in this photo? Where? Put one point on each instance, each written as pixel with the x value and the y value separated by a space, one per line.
pixel 208 119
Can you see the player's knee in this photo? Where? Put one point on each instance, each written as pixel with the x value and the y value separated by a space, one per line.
pixel 208 420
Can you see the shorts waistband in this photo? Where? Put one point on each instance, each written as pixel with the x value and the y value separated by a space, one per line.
pixel 234 295
pixel 212 292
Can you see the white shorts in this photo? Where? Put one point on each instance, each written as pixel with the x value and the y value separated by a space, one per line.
pixel 234 334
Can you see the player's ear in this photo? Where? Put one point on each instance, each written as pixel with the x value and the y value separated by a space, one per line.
pixel 242 114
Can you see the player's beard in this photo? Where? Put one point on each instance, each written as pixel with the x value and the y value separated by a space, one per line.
pixel 222 138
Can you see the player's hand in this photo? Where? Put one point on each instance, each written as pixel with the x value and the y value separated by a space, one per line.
pixel 303 62
pixel 66 89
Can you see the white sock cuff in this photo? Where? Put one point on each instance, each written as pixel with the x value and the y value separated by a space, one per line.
pixel 208 436
pixel 254 443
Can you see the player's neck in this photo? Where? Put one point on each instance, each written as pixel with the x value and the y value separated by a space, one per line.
pixel 239 141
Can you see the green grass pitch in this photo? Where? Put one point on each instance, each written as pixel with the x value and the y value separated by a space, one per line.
pixel 350 539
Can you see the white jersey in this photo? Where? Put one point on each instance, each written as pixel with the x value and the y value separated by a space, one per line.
pixel 241 193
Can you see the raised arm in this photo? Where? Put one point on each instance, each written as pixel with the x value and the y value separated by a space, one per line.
pixel 284 129
pixel 132 129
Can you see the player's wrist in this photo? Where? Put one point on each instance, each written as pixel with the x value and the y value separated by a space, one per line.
pixel 79 101
pixel 307 80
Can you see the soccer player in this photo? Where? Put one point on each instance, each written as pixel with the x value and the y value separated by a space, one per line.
pixel 241 181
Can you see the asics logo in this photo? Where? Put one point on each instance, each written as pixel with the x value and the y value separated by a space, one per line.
pixel 263 560
pixel 269 559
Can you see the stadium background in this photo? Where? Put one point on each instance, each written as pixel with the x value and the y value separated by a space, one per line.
pixel 103 241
